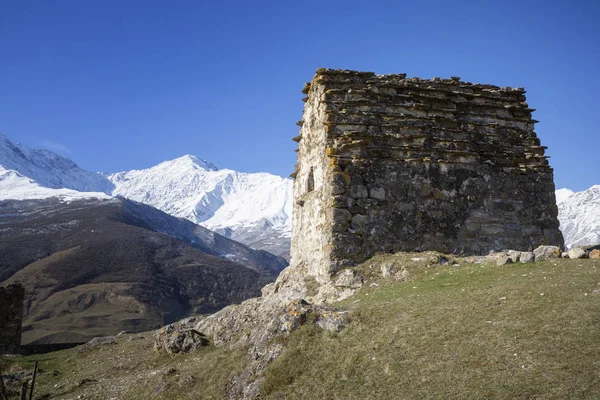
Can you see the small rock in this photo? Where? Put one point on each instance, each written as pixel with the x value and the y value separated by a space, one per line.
pixel 349 279
pixel 402 275
pixel 595 254
pixel 176 339
pixel 186 380
pixel 295 314
pixel 332 320
pixel 386 270
pixel 97 342
pixel 514 255
pixel 86 381
pixel 527 257
pixel 503 260
pixel 543 253
pixel 576 253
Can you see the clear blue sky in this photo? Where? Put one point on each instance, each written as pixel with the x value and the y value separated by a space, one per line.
pixel 117 85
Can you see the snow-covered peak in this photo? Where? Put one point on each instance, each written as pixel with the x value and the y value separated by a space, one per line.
pixel 195 189
pixel 200 163
pixel 563 194
pixel 243 206
pixel 178 166
pixel 188 161
pixel 49 169
pixel 14 186
pixel 579 216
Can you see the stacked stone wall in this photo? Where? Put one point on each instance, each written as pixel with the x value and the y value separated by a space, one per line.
pixel 409 164
pixel 11 318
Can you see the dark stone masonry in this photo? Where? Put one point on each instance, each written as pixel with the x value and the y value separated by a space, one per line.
pixel 388 163
pixel 11 318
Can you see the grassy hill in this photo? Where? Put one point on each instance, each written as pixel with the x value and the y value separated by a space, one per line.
pixel 467 331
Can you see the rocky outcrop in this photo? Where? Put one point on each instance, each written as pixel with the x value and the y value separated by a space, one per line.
pixel 285 305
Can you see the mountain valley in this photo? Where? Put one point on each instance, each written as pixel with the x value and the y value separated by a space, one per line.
pixel 96 267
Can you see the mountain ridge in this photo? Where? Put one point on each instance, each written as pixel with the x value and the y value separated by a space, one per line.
pixel 253 208
pixel 49 169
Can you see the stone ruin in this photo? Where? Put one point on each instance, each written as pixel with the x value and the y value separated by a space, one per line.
pixel 388 163
pixel 11 318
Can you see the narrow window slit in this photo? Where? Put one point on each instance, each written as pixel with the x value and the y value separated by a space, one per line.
pixel 310 184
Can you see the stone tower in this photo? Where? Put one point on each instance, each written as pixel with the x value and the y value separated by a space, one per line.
pixel 388 163
pixel 11 318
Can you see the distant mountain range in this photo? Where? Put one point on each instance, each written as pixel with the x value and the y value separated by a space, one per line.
pixel 251 208
pixel 579 216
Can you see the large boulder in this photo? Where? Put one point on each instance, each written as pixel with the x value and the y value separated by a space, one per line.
pixel 544 253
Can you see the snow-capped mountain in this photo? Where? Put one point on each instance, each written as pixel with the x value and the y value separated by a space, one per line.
pixel 49 169
pixel 252 208
pixel 563 194
pixel 14 186
pixel 579 216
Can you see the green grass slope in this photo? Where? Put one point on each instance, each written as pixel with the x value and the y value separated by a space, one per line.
pixel 469 331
